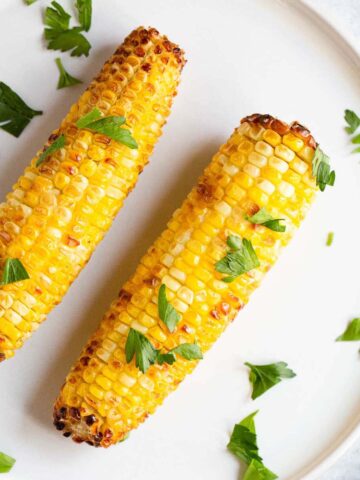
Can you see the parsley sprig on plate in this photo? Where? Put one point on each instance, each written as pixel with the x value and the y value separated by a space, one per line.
pixel 59 34
pixel 65 79
pixel 15 115
pixel 263 217
pixel 109 126
pixel 352 332
pixel 321 170
pixel 353 122
pixel 264 377
pixel 6 463
pixel 243 444
pixel 240 259
pixel 14 271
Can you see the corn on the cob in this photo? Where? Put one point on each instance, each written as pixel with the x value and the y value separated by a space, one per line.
pixel 59 211
pixel 265 163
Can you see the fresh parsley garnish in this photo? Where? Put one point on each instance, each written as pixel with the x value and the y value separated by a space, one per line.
pixel 6 463
pixel 352 120
pixel 14 271
pixel 84 8
pixel 146 355
pixel 257 471
pixel 15 115
pixel 243 444
pixel 352 332
pixel 263 217
pixel 65 79
pixel 30 2
pixel 321 170
pixel 59 34
pixel 263 377
pixel 56 145
pixel 167 312
pixel 109 126
pixel 240 259
pixel 329 239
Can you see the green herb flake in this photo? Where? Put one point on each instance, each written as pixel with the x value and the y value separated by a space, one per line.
pixel 84 8
pixel 352 120
pixel 109 126
pixel 30 2
pixel 189 351
pixel 56 19
pixel 139 346
pixel 65 79
pixel 15 115
pixel 352 332
pixel 321 170
pixel 263 217
pixel 257 471
pixel 264 377
pixel 14 271
pixel 239 260
pixel 6 463
pixel 167 312
pixel 55 146
pixel 329 239
pixel 243 442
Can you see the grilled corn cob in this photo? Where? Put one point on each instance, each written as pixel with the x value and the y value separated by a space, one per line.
pixel 265 163
pixel 59 211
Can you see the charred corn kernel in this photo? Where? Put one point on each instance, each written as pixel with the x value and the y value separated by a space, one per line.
pixel 59 211
pixel 195 289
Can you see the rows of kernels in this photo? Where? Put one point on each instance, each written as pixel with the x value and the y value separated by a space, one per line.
pixel 63 209
pixel 183 259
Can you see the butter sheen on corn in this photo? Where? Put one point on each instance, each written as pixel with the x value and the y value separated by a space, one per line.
pixel 58 212
pixel 265 163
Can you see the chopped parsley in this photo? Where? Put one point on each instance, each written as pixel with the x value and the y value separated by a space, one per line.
pixel 321 170
pixel 59 34
pixel 6 463
pixel 109 126
pixel 352 120
pixel 56 145
pixel 352 332
pixel 240 259
pixel 329 239
pixel 84 8
pixel 30 2
pixel 14 271
pixel 167 312
pixel 15 115
pixel 65 79
pixel 189 351
pixel 263 217
pixel 257 471
pixel 264 377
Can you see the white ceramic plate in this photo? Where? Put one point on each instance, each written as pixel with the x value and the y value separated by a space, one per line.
pixel 244 56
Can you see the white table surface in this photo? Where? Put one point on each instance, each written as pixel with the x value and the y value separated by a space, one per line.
pixel 345 13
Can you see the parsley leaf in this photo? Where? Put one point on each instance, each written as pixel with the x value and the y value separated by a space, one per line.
pixel 56 145
pixel 6 463
pixel 65 79
pixel 189 351
pixel 263 217
pixel 137 344
pixel 71 40
pixel 109 126
pixel 321 170
pixel 168 358
pixel 329 239
pixel 57 19
pixel 84 8
pixel 15 115
pixel 352 332
pixel 30 2
pixel 241 259
pixel 352 120
pixel 14 271
pixel 243 441
pixel 257 471
pixel 167 312
pixel 263 377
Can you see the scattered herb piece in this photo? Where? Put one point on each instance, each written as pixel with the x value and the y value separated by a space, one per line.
pixel 189 351
pixel 56 145
pixel 352 120
pixel 167 312
pixel 56 19
pixel 262 217
pixel 30 2
pixel 14 271
pixel 243 441
pixel 263 377
pixel 109 126
pixel 84 8
pixel 15 115
pixel 257 471
pixel 321 170
pixel 168 358
pixel 65 79
pixel 239 260
pixel 6 463
pixel 352 332
pixel 137 344
pixel 330 239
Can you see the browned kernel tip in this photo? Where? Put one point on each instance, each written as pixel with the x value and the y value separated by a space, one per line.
pixel 59 425
pixel 74 413
pixel 90 420
pixel 2 357
pixel 67 434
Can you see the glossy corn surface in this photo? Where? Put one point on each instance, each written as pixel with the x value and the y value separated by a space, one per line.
pixel 265 163
pixel 59 211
